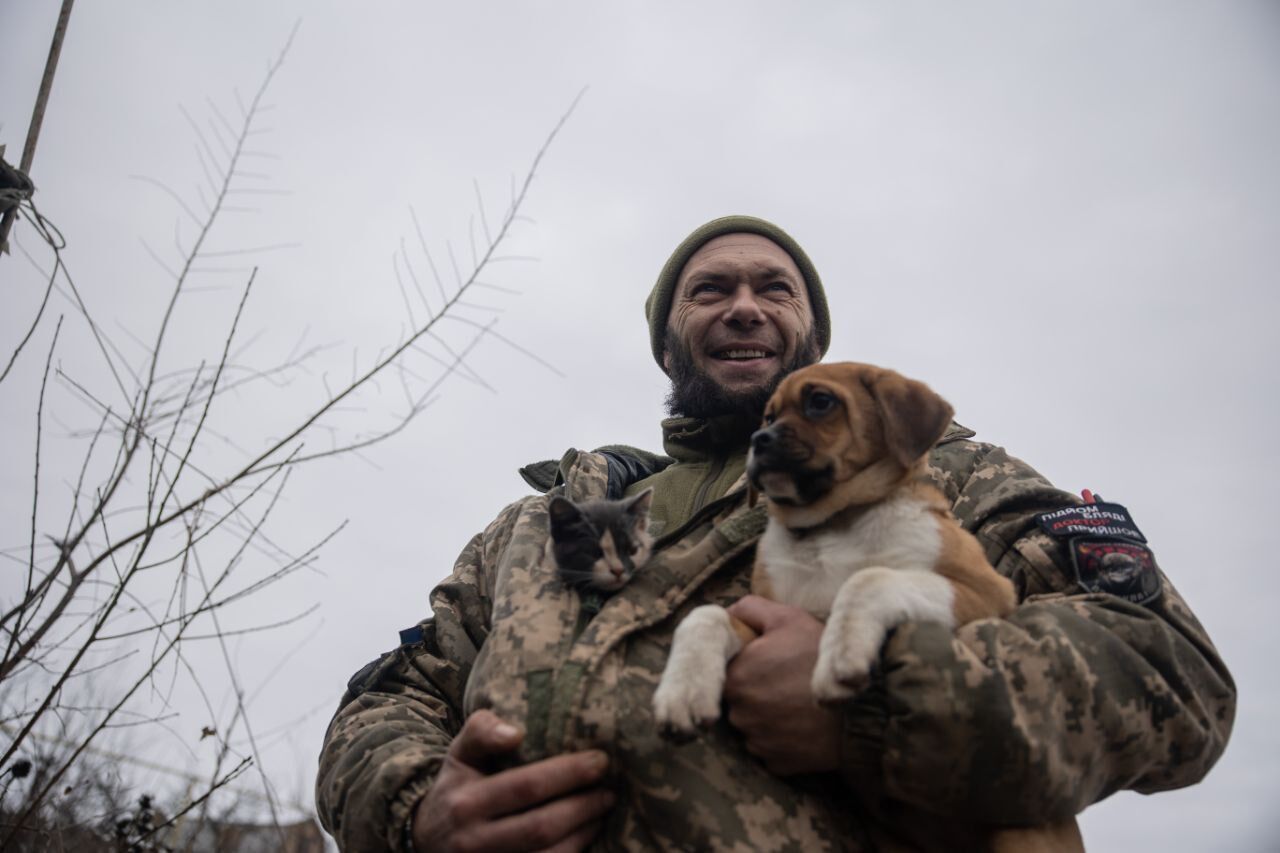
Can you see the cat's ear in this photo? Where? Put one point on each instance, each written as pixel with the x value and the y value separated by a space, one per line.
pixel 639 505
pixel 562 511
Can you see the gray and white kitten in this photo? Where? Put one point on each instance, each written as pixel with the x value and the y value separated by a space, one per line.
pixel 598 545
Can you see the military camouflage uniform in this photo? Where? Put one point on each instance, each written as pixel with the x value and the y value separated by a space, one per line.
pixel 1009 721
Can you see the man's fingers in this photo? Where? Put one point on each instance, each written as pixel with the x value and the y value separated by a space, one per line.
pixel 760 613
pixel 483 736
pixel 545 826
pixel 524 787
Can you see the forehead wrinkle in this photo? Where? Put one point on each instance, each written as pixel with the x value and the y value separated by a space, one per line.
pixel 706 275
pixel 728 251
pixel 723 268
pixel 775 271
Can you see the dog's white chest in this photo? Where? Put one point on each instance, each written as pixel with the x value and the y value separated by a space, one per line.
pixel 807 571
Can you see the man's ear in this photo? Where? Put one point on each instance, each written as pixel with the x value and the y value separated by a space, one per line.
pixel 666 362
pixel 914 417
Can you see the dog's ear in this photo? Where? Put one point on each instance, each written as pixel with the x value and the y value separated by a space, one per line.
pixel 914 416
pixel 752 496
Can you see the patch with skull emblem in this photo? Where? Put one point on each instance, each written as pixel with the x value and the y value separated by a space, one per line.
pixel 1121 568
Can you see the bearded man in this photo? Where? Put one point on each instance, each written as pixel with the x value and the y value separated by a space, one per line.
pixel 516 719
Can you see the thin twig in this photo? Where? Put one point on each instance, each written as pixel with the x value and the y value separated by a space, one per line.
pixel 35 500
pixel 36 322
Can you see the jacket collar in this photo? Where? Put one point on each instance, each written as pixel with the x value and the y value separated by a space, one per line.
pixel 700 439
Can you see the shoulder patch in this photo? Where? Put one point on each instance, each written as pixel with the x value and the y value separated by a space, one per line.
pixel 365 676
pixel 1093 519
pixel 1124 569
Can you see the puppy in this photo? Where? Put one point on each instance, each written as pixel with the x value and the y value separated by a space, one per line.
pixel 855 536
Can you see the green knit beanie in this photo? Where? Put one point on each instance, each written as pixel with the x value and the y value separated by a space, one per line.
pixel 657 307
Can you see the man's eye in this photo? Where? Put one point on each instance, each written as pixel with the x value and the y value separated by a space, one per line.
pixel 819 403
pixel 707 287
pixel 778 287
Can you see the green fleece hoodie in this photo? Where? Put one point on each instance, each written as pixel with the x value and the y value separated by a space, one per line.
pixel 706 468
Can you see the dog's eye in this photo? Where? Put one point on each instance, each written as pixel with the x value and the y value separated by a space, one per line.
pixel 769 418
pixel 819 403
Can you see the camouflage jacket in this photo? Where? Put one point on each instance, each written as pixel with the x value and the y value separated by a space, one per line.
pixel 1011 721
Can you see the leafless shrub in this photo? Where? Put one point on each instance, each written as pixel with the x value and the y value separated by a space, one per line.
pixel 164 529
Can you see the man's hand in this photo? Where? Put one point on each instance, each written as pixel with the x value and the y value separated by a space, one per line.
pixel 770 699
pixel 553 804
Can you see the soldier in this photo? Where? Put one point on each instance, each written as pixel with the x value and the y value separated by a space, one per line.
pixel 515 718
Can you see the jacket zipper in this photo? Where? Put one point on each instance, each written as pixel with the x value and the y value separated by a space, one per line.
pixel 698 518
pixel 716 469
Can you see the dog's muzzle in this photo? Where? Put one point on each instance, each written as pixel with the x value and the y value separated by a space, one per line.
pixel 763 440
pixel 777 451
pixel 777 448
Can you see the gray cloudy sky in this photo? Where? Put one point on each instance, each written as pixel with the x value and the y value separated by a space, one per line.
pixel 1064 216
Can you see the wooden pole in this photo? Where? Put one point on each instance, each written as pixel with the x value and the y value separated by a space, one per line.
pixel 42 100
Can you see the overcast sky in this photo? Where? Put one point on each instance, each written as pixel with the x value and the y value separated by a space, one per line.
pixel 1064 216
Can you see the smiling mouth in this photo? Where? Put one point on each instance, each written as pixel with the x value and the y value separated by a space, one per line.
pixel 741 354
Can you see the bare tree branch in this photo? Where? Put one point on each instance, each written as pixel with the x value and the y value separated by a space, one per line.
pixel 121 586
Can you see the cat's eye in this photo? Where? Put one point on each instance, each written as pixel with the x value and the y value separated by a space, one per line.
pixel 819 403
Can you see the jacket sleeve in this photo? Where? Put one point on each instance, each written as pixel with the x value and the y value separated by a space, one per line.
pixel 399 714
pixel 1034 717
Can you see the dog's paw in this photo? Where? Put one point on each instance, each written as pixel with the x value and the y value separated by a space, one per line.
pixel 682 707
pixel 830 684
pixel 845 659
pixel 679 737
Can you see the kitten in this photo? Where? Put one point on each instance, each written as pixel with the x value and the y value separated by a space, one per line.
pixel 599 545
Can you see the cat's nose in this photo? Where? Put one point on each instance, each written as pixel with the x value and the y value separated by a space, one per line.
pixel 617 571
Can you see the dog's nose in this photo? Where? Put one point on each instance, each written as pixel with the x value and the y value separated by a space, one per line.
pixel 761 439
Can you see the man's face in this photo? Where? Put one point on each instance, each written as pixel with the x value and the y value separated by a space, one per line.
pixel 740 320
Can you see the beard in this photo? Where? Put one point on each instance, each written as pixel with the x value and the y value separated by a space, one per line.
pixel 694 394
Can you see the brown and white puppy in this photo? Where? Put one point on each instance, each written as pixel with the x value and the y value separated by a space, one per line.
pixel 854 536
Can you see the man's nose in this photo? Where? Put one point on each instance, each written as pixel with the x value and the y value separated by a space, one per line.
pixel 744 307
